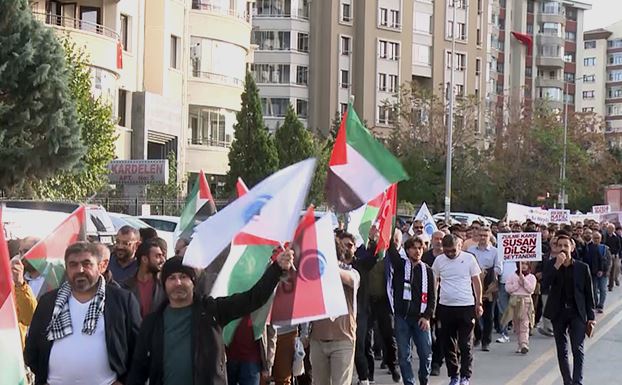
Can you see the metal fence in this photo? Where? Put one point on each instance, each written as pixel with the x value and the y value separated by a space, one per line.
pixel 134 206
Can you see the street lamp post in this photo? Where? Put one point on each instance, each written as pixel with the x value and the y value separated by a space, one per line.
pixel 565 155
pixel 450 118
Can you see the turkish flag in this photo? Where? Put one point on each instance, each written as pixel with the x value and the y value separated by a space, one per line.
pixel 119 55
pixel 386 215
pixel 525 39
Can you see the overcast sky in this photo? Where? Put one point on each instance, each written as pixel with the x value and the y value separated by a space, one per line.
pixel 603 13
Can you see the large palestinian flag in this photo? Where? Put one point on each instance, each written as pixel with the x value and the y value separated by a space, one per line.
pixel 314 291
pixel 48 255
pixel 12 364
pixel 199 206
pixel 360 167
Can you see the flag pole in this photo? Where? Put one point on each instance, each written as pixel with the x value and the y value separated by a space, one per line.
pixel 450 118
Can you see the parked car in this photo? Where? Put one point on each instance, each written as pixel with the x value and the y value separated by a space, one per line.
pixel 40 218
pixel 464 218
pixel 165 225
pixel 119 220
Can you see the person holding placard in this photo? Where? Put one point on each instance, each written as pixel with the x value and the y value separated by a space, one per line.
pixel 521 286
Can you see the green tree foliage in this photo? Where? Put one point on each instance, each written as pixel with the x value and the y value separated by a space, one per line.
pixel 293 141
pixel 253 155
pixel 39 125
pixel 98 136
pixel 171 190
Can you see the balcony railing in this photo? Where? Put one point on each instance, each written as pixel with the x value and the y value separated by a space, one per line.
pixel 209 142
pixel 218 78
pixel 77 24
pixel 282 15
pixel 215 9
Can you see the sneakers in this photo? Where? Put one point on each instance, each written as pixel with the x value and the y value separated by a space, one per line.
pixel 503 339
pixel 485 348
pixel 465 381
pixel 395 375
pixel 454 381
pixel 524 349
pixel 476 342
pixel 599 310
pixel 363 382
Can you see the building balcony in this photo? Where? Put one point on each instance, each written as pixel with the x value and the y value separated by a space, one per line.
pixel 556 62
pixel 216 9
pixel 552 17
pixel 218 79
pixel 548 82
pixel 550 39
pixel 98 41
pixel 298 14
pixel 212 159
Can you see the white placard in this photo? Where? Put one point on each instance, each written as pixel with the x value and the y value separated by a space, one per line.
pixel 519 247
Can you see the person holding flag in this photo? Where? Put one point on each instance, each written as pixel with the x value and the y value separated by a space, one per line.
pixel 414 299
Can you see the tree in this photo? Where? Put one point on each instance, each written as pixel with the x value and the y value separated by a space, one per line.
pixel 293 141
pixel 39 125
pixel 253 155
pixel 98 136
pixel 171 190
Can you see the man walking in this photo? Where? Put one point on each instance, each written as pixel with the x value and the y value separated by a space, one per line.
pixel 123 264
pixel 492 266
pixel 181 342
pixel 570 307
pixel 437 350
pixel 145 284
pixel 414 298
pixel 601 263
pixel 460 304
pixel 85 331
pixel 614 242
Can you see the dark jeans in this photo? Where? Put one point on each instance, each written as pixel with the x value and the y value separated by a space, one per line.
pixel 570 323
pixel 483 328
pixel 407 331
pixel 363 355
pixel 437 343
pixel 382 315
pixel 243 373
pixel 457 324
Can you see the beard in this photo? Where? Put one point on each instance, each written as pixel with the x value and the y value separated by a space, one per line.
pixel 123 255
pixel 81 283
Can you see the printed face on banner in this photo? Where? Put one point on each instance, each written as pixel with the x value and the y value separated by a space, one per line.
pixel 519 247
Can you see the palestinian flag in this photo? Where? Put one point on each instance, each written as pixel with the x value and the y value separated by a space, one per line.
pixel 360 167
pixel 48 255
pixel 386 219
pixel 314 291
pixel 240 187
pixel 199 206
pixel 12 364
pixel 362 219
pixel 248 258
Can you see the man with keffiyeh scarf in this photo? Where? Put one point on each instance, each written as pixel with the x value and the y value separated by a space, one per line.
pixel 414 298
pixel 85 331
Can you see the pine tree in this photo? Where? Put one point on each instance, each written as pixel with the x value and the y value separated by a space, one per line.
pixel 293 141
pixel 253 155
pixel 39 127
pixel 98 135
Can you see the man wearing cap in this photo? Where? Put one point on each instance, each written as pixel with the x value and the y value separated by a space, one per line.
pixel 182 342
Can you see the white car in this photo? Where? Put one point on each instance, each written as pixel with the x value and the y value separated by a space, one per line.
pixel 119 220
pixel 165 226
pixel 464 218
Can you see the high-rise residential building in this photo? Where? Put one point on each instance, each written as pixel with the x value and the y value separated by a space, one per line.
pixel 518 77
pixel 173 71
pixel 600 90
pixel 281 60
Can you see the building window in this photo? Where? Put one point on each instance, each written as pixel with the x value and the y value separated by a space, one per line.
pixel 125 32
pixel 551 29
pixel 346 45
pixel 175 51
pixel 589 44
pixel 421 54
pixel 343 107
pixel 460 90
pixel 552 7
pixel 382 82
pixel 395 19
pixel 461 61
pixel 569 77
pixel 615 92
pixel 530 29
pixel 589 61
pixel 615 58
pixel 571 13
pixel 457 4
pixel 122 109
pixel 208 126
pixel 274 107
pixel 571 36
pixel 528 72
pixel 393 83
pixel 346 12
pixel 394 51
pixel 552 93
pixel 615 76
pixel 302 108
pixel 461 34
pixel 478 66
pixel 384 114
pixel 589 78
pixel 423 22
pixel 277 8
pixel 553 51
pixel 271 40
pixel 271 73
pixel 530 6
pixel 587 109
pixel 383 17
pixel 569 57
pixel 303 42
pixel 614 43
pixel 344 79
pixel 382 49
pixel 479 36
pixel 588 95
pixel 450 29
pixel 302 75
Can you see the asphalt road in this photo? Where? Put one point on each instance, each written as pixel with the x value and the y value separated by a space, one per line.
pixel 502 366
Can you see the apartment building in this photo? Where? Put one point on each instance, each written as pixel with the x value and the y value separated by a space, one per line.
pixel 518 77
pixel 281 60
pixel 600 90
pixel 173 70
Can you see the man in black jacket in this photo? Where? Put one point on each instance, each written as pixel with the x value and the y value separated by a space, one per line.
pixel 414 298
pixel 83 315
pixel 182 342
pixel 614 242
pixel 570 307
pixel 145 284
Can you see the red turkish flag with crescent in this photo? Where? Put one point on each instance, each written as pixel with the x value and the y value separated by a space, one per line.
pixel 386 217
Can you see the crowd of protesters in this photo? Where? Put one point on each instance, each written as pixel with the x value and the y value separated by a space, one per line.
pixel 133 315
